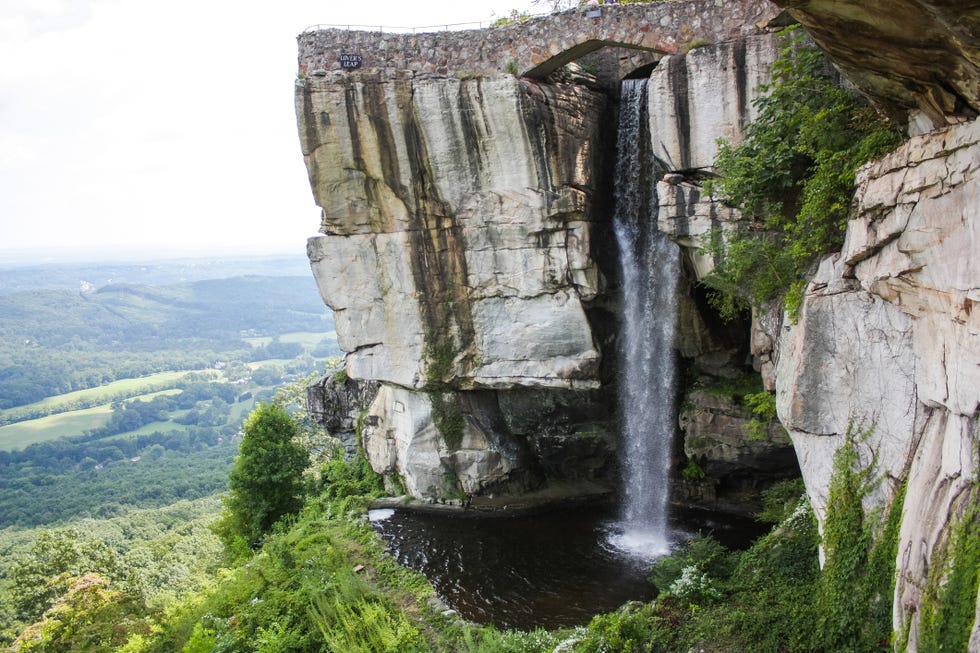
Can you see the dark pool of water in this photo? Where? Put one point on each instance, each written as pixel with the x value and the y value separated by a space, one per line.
pixel 542 570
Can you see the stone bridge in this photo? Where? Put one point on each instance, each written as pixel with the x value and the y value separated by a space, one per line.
pixel 539 46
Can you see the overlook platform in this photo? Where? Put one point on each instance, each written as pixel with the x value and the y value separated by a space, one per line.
pixel 539 46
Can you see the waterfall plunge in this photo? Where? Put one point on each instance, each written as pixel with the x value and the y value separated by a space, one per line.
pixel 650 269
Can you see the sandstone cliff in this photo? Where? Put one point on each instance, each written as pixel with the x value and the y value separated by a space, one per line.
pixel 467 242
pixel 466 255
pixel 888 337
pixel 457 256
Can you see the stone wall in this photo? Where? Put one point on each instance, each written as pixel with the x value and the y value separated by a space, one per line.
pixel 540 45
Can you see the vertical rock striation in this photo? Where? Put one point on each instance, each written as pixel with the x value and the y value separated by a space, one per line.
pixel 696 99
pixel 463 218
pixel 457 257
pixel 889 338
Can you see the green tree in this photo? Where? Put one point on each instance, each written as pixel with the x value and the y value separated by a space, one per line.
pixel 90 617
pixel 56 559
pixel 266 481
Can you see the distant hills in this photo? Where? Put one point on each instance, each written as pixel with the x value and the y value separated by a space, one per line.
pixel 58 335
pixel 20 274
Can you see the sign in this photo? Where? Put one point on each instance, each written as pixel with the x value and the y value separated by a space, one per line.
pixel 350 61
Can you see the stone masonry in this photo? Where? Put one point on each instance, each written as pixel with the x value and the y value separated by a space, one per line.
pixel 538 46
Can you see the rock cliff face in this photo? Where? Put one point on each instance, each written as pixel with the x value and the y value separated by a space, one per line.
pixel 888 335
pixel 913 58
pixel 466 255
pixel 467 231
pixel 458 258
pixel 889 339
pixel 695 99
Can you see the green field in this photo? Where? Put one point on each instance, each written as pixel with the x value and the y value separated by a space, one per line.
pixel 308 339
pixel 241 410
pixel 153 427
pixel 104 393
pixel 52 427
pixel 76 422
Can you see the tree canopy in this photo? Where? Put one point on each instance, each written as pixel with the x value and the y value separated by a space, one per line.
pixel 266 481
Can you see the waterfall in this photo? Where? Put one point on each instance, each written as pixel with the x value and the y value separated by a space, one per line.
pixel 650 264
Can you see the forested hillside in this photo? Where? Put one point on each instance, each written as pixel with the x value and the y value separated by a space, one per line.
pixel 132 395
pixel 54 341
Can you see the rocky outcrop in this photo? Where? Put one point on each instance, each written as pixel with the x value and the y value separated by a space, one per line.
pixel 465 218
pixel 336 403
pixel 457 214
pixel 913 58
pixel 457 256
pixel 696 99
pixel 738 454
pixel 705 95
pixel 889 339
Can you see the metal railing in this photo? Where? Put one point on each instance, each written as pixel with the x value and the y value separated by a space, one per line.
pixel 401 30
pixel 448 27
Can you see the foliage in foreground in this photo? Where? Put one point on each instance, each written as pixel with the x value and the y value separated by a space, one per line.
pixel 266 482
pixel 949 608
pixel 792 176
pixel 143 561
pixel 322 581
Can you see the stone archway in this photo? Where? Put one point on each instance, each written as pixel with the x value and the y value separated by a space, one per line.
pixel 578 50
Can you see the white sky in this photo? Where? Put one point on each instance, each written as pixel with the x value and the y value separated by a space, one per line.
pixel 166 125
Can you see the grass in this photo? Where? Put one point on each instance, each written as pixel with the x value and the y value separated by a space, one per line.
pixel 163 426
pixel 309 339
pixel 53 427
pixel 77 422
pixel 122 388
pixel 74 423
pixel 241 410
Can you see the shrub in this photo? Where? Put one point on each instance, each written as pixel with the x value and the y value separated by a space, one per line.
pixel 700 555
pixel 266 482
pixel 692 471
pixel 633 628
pixel 949 609
pixel 763 407
pixel 781 500
pixel 854 596
pixel 792 176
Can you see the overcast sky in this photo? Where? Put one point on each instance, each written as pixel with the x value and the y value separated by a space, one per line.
pixel 165 126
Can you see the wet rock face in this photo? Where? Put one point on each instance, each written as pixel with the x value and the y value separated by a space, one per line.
pixel 905 55
pixel 458 226
pixel 458 219
pixel 889 339
pixel 737 462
